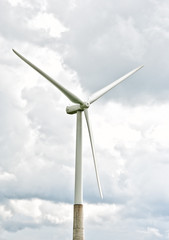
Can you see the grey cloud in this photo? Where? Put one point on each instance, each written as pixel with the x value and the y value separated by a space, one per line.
pixel 14 24
pixel 47 115
pixel 117 40
pixel 61 9
pixel 35 214
pixel 14 226
pixel 45 232
pixel 12 135
pixel 28 141
pixel 109 39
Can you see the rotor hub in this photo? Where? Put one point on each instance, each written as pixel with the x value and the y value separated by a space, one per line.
pixel 85 105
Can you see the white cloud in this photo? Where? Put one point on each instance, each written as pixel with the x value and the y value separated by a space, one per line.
pixel 25 4
pixel 5 213
pixel 154 232
pixel 47 22
pixel 99 214
pixel 41 211
pixel 16 2
pixel 5 176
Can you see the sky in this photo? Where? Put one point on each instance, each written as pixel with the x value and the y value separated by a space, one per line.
pixel 84 45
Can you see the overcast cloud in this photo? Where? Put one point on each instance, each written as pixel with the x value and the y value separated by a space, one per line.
pixel 84 45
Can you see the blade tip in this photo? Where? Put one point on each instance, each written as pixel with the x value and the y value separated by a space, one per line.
pixel 14 51
pixel 138 68
pixel 101 194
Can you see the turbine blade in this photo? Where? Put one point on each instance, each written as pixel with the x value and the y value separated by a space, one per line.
pixel 93 150
pixel 73 98
pixel 104 90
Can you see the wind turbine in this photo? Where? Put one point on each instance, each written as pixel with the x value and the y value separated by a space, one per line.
pixel 79 107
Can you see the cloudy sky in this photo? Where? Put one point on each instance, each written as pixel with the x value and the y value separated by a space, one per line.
pixel 85 45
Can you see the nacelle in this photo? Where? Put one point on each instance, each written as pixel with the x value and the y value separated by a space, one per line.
pixel 73 109
pixel 78 107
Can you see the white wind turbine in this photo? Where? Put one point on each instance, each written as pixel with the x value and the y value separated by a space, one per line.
pixel 79 107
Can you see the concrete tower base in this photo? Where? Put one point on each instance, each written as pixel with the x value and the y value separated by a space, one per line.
pixel 78 229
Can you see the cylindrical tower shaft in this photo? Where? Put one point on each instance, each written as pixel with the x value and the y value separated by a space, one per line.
pixel 78 198
pixel 78 230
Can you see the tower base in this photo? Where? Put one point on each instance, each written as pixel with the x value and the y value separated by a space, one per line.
pixel 78 229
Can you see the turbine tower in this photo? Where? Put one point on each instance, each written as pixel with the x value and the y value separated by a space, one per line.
pixel 78 107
